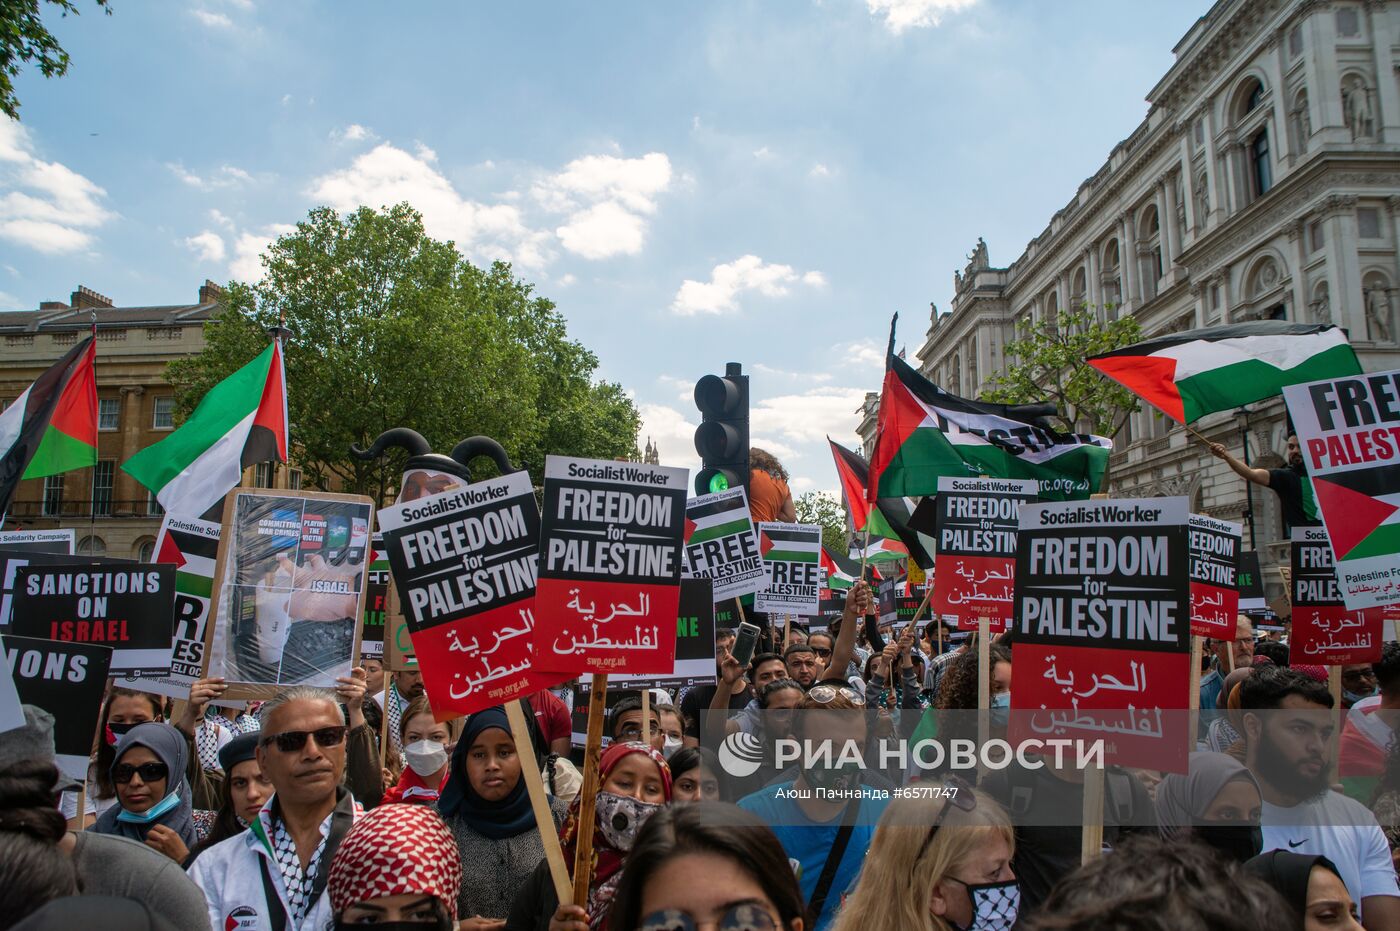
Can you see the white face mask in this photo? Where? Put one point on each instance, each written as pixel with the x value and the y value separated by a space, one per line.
pixel 671 745
pixel 425 757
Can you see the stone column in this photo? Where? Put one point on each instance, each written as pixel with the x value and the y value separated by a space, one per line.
pixel 1173 228
pixel 1297 231
pixel 1393 205
pixel 1324 95
pixel 1343 265
pixel 1388 96
pixel 1092 291
pixel 1127 259
pixel 1215 184
pixel 1230 191
pixel 133 417
pixel 1279 135
pixel 1188 181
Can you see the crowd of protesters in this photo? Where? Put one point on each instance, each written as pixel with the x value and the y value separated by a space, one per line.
pixel 355 806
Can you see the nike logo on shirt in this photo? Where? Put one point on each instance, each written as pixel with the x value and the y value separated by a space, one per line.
pixel 1297 843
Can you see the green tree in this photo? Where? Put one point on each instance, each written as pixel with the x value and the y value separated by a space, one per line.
pixel 819 507
pixel 393 328
pixel 25 38
pixel 1046 363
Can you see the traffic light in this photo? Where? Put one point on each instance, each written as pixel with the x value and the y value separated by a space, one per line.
pixel 722 439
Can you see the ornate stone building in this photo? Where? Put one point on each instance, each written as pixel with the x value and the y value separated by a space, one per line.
pixel 1263 183
pixel 111 513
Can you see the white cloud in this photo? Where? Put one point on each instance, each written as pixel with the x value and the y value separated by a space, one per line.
pixel 248 249
pixel 286 99
pixel 225 176
pixel 672 433
pixel 387 175
pixel 352 133
pixel 8 300
pixel 45 206
pixel 727 281
pixel 819 171
pixel 772 372
pixel 219 219
pixel 425 153
pixel 762 154
pixel 808 417
pixel 607 200
pixel 864 354
pixel 212 20
pixel 566 279
pixel 684 390
pixel 900 15
pixel 208 246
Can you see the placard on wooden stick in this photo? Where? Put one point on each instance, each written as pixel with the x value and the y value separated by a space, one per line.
pixel 289 589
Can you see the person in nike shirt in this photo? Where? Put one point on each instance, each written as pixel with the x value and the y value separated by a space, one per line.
pixel 1287 728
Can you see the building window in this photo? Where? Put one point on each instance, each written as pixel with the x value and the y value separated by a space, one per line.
pixel 111 336
pixel 109 412
pixel 1198 133
pixel 294 479
pixel 1348 23
pixel 147 551
pixel 164 417
pixel 103 476
pixel 153 506
pixel 1316 236
pixel 91 546
pixel 1255 98
pixel 262 474
pixel 1263 171
pixel 1368 223
pixel 1215 297
pixel 1295 42
pixel 53 496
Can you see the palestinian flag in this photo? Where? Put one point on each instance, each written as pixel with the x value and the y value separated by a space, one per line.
pixel 1188 375
pixel 241 421
pixel 193 546
pixel 880 550
pixel 721 515
pixel 841 572
pixel 911 522
pixel 789 543
pixel 852 470
pixel 52 426
pixel 924 432
pixel 891 518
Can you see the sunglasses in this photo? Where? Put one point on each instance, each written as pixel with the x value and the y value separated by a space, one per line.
pixel 747 917
pixel 292 741
pixel 956 792
pixel 821 651
pixel 150 772
pixel 824 694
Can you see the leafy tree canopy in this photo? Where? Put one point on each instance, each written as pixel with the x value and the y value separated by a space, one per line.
pixel 25 38
pixel 820 507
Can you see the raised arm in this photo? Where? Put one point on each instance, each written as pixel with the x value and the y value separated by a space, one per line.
pixel 1257 476
pixel 859 602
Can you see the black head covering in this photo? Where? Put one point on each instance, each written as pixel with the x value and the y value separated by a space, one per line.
pixel 170 747
pixel 95 911
pixel 506 817
pixel 240 749
pixel 1288 873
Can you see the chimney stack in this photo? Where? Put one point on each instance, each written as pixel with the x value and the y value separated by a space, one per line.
pixel 52 305
pixel 210 293
pixel 86 297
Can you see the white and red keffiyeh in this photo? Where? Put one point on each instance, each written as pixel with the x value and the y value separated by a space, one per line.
pixel 396 850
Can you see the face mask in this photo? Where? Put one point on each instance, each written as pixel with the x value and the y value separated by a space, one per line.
pixel 671 745
pixel 115 732
pixel 1001 708
pixel 442 924
pixel 994 905
pixel 1354 697
pixel 425 757
pixel 155 811
pixel 1239 842
pixel 620 817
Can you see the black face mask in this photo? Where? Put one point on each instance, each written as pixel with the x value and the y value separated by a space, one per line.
pixel 1238 842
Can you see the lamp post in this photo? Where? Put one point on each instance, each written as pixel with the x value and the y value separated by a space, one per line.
pixel 1242 418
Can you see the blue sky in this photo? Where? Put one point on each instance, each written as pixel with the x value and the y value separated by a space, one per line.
pixel 763 182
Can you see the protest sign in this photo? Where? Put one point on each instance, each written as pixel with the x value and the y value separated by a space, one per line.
pixel 39 541
pixel 695 645
pixel 376 593
pixel 192 546
pixel 976 548
pixel 463 564
pixel 609 567
pixel 128 607
pixel 1214 568
pixel 887 600
pixel 1250 583
pixel 792 556
pixel 720 544
pixel 289 589
pixel 1349 434
pixel 68 681
pixel 13 560
pixel 1102 647
pixel 1325 631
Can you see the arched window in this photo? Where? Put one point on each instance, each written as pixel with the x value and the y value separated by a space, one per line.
pixel 1254 98
pixel 1078 291
pixel 91 546
pixel 956 380
pixel 1052 308
pixel 146 550
pixel 1263 172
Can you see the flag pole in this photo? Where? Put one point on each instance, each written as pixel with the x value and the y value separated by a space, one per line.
pixel 92 490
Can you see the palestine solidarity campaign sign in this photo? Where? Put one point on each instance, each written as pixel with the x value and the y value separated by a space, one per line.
pixel 792 553
pixel 464 566
pixel 610 566
pixel 1103 627
pixel 1349 431
pixel 977 520
pixel 720 544
pixel 1325 630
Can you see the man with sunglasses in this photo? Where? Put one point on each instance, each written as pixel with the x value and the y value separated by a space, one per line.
pixel 273 876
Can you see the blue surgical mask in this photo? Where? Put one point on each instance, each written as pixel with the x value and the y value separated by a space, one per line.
pixel 1001 709
pixel 154 812
pixel 1354 697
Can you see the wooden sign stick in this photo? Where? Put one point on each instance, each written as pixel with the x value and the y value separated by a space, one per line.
pixel 539 802
pixel 588 794
pixel 1091 842
pixel 1193 694
pixel 646 716
pixel 384 724
pixel 984 685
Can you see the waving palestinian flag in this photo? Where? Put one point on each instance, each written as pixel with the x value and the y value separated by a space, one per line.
pixel 241 421
pixel 52 426
pixel 891 518
pixel 924 432
pixel 1189 375
pixel 841 572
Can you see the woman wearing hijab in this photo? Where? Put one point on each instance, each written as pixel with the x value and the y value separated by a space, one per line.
pixel 397 866
pixel 634 783
pixel 153 798
pixel 487 808
pixel 1217 802
pixel 1311 886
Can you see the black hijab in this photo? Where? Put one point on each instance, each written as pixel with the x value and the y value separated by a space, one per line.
pixel 506 817
pixel 1288 873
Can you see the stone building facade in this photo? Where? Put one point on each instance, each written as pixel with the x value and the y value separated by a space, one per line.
pixel 110 511
pixel 1264 183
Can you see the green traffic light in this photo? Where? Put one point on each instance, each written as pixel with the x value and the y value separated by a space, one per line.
pixel 719 482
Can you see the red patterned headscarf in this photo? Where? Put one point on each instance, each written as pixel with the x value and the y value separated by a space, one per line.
pixel 396 850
